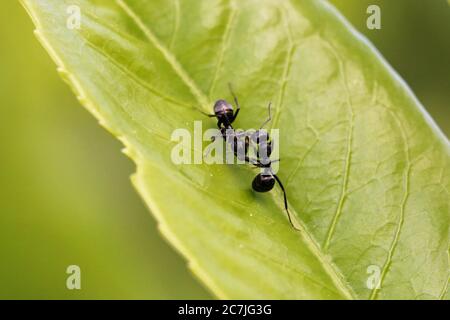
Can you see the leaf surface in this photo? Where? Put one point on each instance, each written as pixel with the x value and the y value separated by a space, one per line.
pixel 365 168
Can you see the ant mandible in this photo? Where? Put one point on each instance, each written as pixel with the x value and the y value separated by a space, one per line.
pixel 264 181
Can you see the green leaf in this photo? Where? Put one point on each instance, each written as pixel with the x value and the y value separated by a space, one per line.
pixel 366 169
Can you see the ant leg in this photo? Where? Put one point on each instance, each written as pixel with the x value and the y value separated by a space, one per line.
pixel 219 122
pixel 285 201
pixel 238 107
pixel 268 119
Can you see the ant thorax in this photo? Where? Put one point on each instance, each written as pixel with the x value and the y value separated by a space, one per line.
pixel 249 144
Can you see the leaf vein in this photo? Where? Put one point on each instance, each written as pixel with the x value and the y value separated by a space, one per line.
pixel 446 284
pixel 342 197
pixel 170 58
pixel 401 220
pixel 176 22
pixel 225 40
pixel 286 69
pixel 133 76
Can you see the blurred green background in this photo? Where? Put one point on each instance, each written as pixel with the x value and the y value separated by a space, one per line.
pixel 65 192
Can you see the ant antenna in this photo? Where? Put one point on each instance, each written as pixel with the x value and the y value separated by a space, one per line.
pixel 285 201
pixel 268 119
pixel 230 87
pixel 208 115
pixel 238 107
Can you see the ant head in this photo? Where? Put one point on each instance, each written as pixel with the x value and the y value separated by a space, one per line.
pixel 263 182
pixel 223 108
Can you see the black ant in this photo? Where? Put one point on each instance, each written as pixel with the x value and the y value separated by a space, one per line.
pixel 264 181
